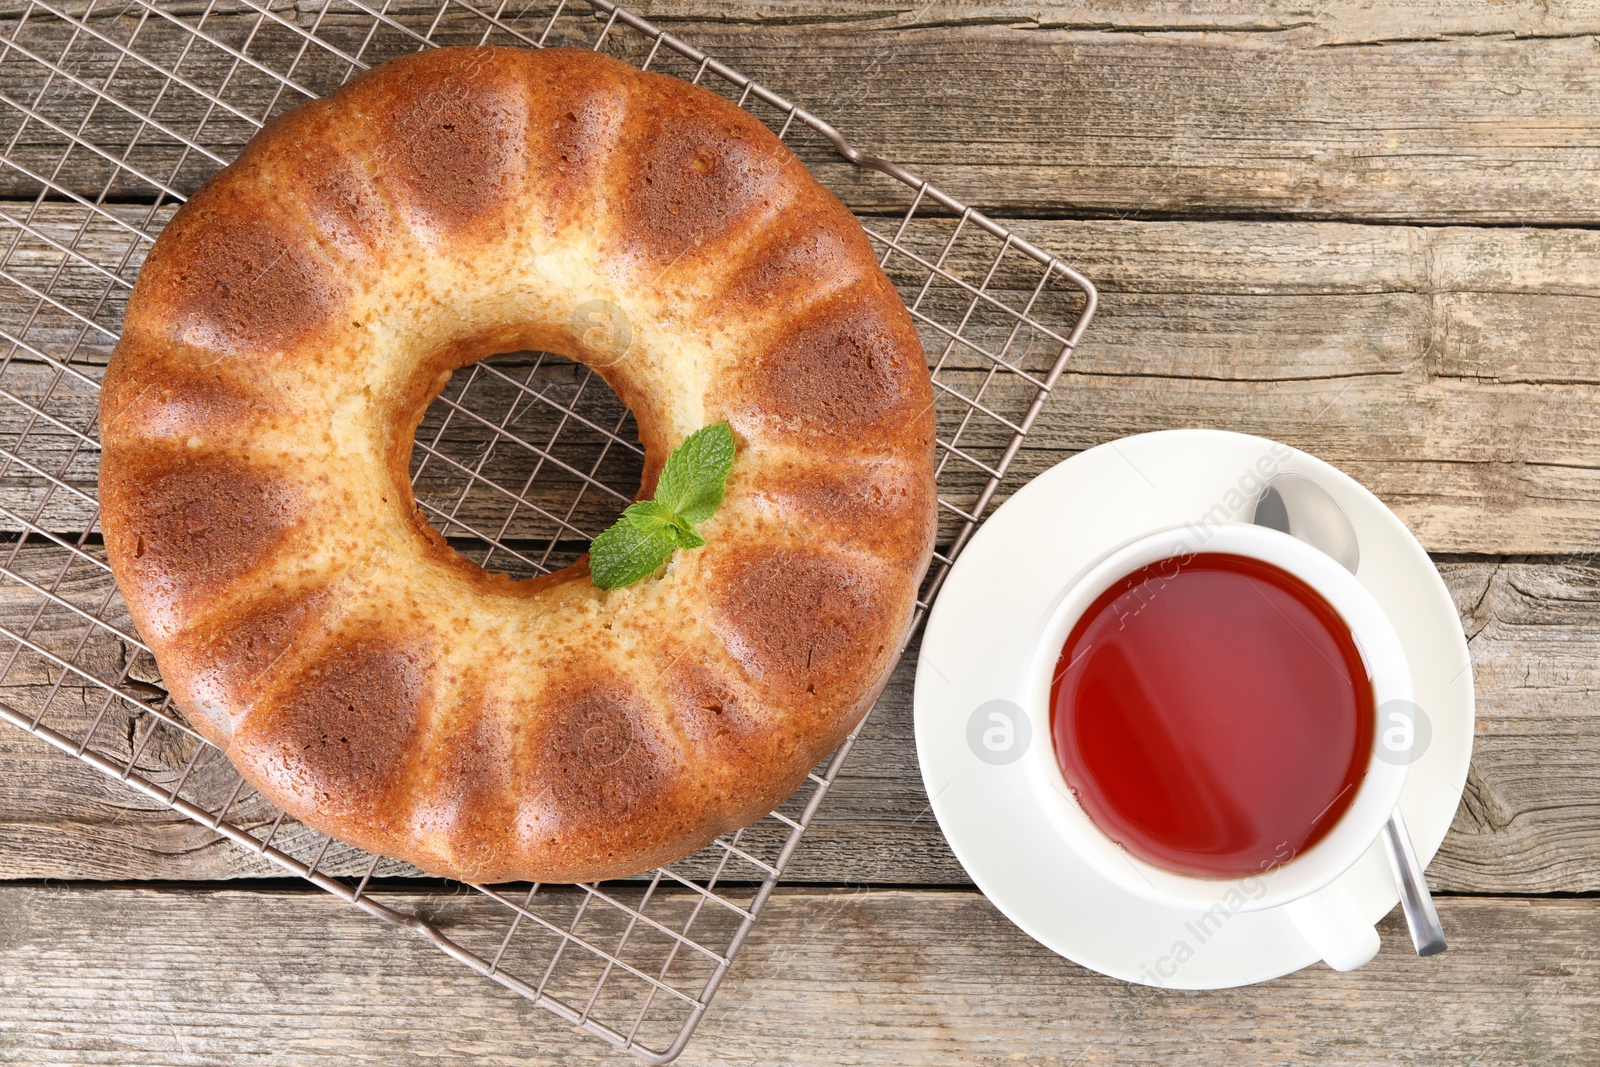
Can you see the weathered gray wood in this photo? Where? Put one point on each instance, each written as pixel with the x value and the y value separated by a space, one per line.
pixel 1442 366
pixel 1013 118
pixel 1530 821
pixel 1448 368
pixel 148 977
pixel 1342 20
pixel 1367 345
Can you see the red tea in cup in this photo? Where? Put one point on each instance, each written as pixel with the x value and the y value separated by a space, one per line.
pixel 1212 714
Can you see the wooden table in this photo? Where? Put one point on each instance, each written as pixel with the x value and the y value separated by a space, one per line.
pixel 1371 231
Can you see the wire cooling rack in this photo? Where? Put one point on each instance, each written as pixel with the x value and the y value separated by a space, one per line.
pixel 113 113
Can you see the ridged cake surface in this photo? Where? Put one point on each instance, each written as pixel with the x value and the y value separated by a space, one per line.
pixel 286 334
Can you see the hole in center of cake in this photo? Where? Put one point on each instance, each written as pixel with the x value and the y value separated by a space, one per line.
pixel 523 459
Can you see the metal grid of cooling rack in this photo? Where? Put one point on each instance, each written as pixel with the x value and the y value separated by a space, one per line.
pixel 113 111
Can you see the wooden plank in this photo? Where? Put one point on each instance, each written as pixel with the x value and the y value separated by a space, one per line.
pixel 137 977
pixel 1016 119
pixel 1434 364
pixel 1346 20
pixel 1528 822
pixel 1343 20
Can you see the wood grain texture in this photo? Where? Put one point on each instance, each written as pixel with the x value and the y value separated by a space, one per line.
pixel 1435 364
pixel 132 977
pixel 1344 20
pixel 1530 820
pixel 1447 366
pixel 1015 114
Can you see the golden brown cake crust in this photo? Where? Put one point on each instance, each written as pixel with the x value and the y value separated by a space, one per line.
pixel 285 336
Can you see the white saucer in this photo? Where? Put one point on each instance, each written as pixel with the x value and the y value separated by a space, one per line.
pixel 983 628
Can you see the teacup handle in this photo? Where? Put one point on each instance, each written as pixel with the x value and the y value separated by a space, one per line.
pixel 1332 923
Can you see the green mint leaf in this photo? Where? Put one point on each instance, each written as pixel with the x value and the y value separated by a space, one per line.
pixel 649 515
pixel 693 479
pixel 685 535
pixel 688 492
pixel 634 547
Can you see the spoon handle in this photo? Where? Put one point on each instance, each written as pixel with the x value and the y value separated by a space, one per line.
pixel 1415 900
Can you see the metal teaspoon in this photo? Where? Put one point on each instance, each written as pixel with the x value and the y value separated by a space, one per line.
pixel 1297 505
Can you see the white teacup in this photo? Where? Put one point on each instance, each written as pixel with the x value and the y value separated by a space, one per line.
pixel 1323 911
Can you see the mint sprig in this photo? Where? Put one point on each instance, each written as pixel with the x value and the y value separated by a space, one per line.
pixel 688 493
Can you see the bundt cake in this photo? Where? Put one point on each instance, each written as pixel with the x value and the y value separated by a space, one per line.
pixel 285 336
